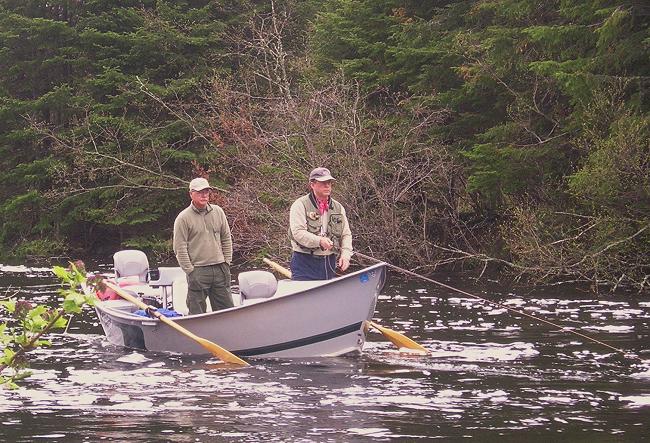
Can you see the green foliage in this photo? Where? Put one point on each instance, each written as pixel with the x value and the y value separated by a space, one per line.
pixel 40 248
pixel 19 212
pixel 609 248
pixel 75 124
pixel 496 64
pixel 28 323
pixel 353 35
pixel 615 176
pixel 157 245
pixel 273 201
pixel 20 202
pixel 173 154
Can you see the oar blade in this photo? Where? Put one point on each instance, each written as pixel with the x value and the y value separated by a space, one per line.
pixel 216 350
pixel 221 353
pixel 399 340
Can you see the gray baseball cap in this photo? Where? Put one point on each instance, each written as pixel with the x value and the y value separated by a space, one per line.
pixel 321 175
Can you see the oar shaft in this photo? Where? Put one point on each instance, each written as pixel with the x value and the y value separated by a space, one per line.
pixel 500 305
pixel 277 267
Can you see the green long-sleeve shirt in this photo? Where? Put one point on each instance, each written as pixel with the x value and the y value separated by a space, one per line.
pixel 202 237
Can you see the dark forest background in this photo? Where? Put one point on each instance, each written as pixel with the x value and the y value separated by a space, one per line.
pixel 507 135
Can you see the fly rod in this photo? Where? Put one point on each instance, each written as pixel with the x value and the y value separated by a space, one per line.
pixel 541 320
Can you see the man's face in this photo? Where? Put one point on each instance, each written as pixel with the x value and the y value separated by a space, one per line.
pixel 322 190
pixel 200 198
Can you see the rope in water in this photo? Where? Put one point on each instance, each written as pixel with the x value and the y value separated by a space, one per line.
pixel 562 328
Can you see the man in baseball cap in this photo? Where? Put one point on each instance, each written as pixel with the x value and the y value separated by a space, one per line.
pixel 203 248
pixel 319 231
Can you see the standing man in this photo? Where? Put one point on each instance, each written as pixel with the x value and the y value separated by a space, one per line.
pixel 203 248
pixel 319 230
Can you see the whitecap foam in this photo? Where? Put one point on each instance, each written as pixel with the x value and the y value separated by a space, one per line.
pixel 134 357
pixel 636 401
pixel 369 432
pixel 557 399
pixel 643 374
pixel 143 406
pixel 612 329
pixel 627 313
pixel 487 351
pixel 612 303
pixel 497 311
pixel 22 269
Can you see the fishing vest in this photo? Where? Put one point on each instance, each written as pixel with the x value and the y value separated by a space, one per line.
pixel 315 221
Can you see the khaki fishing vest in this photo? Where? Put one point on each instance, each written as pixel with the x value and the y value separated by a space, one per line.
pixel 314 222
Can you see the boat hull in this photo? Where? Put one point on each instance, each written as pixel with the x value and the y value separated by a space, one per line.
pixel 304 320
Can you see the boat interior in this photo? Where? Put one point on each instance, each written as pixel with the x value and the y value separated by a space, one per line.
pixel 166 287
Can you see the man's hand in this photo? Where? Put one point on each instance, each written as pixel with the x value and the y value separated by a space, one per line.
pixel 326 244
pixel 344 263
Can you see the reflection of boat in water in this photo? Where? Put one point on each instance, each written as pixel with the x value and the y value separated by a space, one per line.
pixel 271 318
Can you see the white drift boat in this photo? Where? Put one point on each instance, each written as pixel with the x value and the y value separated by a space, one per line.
pixel 270 319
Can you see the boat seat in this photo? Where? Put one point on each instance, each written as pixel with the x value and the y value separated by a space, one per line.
pixel 256 285
pixel 167 276
pixel 131 263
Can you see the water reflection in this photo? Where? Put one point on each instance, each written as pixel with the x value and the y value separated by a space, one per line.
pixel 490 374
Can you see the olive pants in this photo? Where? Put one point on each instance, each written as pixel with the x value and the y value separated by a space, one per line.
pixel 209 281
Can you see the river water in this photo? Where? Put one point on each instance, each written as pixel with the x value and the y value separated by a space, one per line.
pixel 491 376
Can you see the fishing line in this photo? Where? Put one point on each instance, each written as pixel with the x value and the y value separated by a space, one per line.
pixel 562 328
pixel 328 268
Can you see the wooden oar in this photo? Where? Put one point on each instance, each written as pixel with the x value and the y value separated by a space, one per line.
pixel 277 268
pixel 215 349
pixel 399 340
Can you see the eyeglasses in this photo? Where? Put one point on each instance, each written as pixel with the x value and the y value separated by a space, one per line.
pixel 203 191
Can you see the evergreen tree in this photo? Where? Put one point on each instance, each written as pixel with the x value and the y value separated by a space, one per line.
pixel 86 154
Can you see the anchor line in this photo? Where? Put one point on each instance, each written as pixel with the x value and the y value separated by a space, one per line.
pixel 533 317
